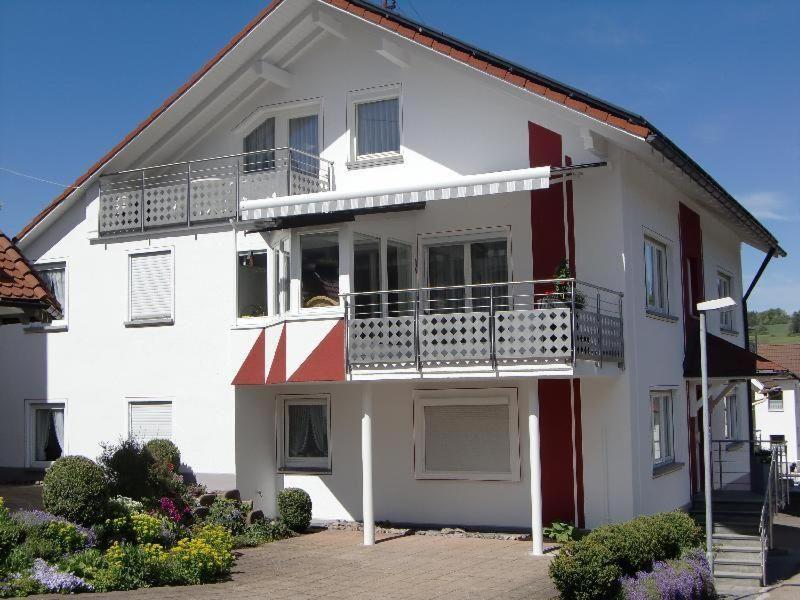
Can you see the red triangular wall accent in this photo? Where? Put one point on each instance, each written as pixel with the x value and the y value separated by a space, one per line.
pixel 252 370
pixel 326 361
pixel 277 371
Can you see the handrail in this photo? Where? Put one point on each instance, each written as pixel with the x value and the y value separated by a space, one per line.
pixel 240 154
pixel 481 285
pixel 768 510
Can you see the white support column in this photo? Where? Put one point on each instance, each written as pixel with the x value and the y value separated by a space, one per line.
pixel 366 465
pixel 535 470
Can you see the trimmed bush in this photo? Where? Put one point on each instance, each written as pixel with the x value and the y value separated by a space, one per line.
pixel 164 453
pixel 590 568
pixel 76 489
pixel 262 532
pixel 294 507
pixel 228 514
pixel 128 466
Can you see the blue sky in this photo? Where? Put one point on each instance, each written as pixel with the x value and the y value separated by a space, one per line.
pixel 722 79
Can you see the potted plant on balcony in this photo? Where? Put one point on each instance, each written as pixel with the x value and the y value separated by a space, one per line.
pixel 562 294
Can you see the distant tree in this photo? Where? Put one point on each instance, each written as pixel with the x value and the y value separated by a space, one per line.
pixel 794 324
pixel 753 318
pixel 773 316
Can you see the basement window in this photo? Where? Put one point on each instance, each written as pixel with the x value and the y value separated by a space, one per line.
pixel 304 437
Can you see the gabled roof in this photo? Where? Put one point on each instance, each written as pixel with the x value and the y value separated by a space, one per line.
pixel 780 357
pixel 20 285
pixel 570 97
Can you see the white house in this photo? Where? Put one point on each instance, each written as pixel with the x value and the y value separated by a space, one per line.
pixel 775 408
pixel 327 262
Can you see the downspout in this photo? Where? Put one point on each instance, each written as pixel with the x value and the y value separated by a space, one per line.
pixel 745 322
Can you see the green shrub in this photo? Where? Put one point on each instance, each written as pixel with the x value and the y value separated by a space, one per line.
pixel 591 567
pixel 128 466
pixel 561 532
pixel 228 514
pixel 205 557
pixel 76 489
pixel 294 507
pixel 164 453
pixel 128 567
pixel 262 532
pixel 10 534
pixel 85 564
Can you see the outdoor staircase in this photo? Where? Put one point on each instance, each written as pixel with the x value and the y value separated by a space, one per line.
pixel 738 558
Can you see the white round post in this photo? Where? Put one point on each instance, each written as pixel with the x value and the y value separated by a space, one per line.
pixel 366 465
pixel 706 442
pixel 535 471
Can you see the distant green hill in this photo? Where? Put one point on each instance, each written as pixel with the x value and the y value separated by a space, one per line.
pixel 777 333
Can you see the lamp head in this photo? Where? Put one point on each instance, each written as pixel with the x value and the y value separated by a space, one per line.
pixel 715 304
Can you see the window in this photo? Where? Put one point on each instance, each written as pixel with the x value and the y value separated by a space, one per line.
pixel 54 276
pixel 252 284
pixel 466 263
pixel 150 297
pixel 723 291
pixel 399 277
pixel 366 275
pixel 149 420
pixel 775 399
pixel 261 138
pixel 45 433
pixel 777 439
pixel 466 434
pixel 319 265
pixel 655 276
pixel 305 433
pixel 661 422
pixel 304 144
pixel 380 264
pixel 731 417
pixel 375 123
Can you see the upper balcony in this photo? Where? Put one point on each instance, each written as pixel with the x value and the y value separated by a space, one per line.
pixel 497 327
pixel 205 191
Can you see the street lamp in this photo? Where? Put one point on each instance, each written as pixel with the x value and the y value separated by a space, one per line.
pixel 703 308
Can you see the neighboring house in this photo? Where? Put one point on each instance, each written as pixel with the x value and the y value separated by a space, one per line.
pixel 25 295
pixel 357 297
pixel 775 408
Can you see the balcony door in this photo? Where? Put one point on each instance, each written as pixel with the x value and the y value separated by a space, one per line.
pixel 297 130
pixel 450 265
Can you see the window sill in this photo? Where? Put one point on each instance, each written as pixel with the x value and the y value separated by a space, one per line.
pixel 150 322
pixel 662 470
pixel 377 161
pixel 659 316
pixel 46 328
pixel 731 332
pixel 304 471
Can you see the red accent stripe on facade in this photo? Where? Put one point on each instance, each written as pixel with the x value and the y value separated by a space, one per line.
pixel 277 370
pixel 555 432
pixel 579 509
pixel 691 235
pixel 252 370
pixel 326 362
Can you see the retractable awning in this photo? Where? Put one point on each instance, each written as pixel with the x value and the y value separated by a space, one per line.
pixel 457 186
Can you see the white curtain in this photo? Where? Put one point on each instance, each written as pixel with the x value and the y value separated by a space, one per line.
pixel 49 441
pixel 42 433
pixel 308 431
pixel 58 426
pixel 54 279
pixel 378 127
pixel 261 138
pixel 304 136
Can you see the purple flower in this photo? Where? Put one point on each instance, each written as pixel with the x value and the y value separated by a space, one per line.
pixel 34 518
pixel 57 581
pixel 686 579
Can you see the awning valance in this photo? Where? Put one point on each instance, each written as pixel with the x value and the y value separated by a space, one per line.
pixel 457 186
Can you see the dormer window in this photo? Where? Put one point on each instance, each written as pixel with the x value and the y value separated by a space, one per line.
pixel 376 124
pixel 261 138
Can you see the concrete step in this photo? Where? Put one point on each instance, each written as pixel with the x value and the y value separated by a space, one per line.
pixel 723 578
pixel 724 540
pixel 739 553
pixel 737 565
pixel 731 511
pixel 734 527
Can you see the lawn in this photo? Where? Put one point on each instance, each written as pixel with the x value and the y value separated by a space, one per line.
pixel 775 334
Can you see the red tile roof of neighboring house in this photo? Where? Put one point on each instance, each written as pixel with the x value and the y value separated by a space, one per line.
pixel 780 357
pixel 19 282
pixel 493 65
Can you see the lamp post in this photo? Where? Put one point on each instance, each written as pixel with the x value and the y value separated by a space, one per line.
pixel 703 308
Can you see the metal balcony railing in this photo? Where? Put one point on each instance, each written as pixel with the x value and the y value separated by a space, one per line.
pixel 206 190
pixel 498 324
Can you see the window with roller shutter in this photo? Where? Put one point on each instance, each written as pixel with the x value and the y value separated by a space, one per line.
pixel 150 420
pixel 150 298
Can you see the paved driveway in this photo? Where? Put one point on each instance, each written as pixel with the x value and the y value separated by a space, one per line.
pixel 332 564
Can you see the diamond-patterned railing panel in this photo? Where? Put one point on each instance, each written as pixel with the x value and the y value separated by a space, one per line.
pixel 454 337
pixel 541 334
pixel 164 205
pixel 213 199
pixel 378 342
pixel 588 339
pixel 120 212
pixel 263 184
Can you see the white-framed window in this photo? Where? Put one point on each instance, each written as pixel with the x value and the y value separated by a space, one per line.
pixel 46 441
pixel 150 287
pixel 381 264
pixel 304 433
pixel 656 286
pixel 731 405
pixel 375 122
pixel 775 399
pixel 294 125
pixel 252 289
pixel 662 427
pixel 724 290
pixel 319 269
pixel 150 419
pixel 462 260
pixel 54 276
pixel 467 434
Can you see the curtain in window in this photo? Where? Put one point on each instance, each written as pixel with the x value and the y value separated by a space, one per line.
pixel 58 429
pixel 261 138
pixel 49 434
pixel 304 136
pixel 54 280
pixel 308 431
pixel 378 127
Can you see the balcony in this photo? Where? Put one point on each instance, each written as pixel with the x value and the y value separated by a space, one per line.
pixel 205 191
pixel 501 325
